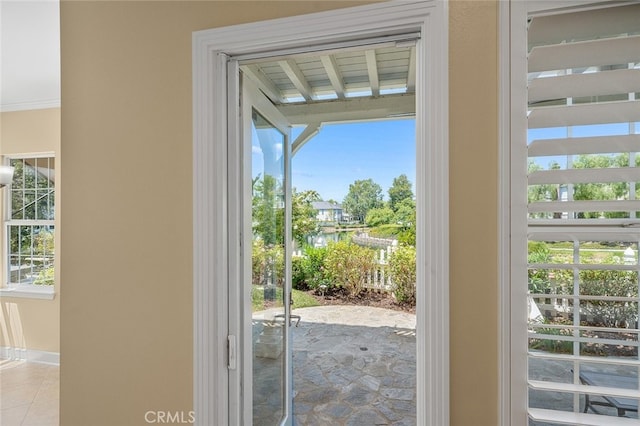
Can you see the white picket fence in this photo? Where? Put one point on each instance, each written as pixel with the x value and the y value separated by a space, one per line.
pixel 380 278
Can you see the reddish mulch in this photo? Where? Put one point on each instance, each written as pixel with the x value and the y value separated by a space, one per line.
pixel 366 298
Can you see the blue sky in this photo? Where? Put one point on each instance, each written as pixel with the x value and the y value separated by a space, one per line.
pixel 343 153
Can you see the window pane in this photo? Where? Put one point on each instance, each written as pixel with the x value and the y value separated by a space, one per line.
pixel 29 173
pixel 18 173
pixel 29 204
pixel 44 205
pixel 32 189
pixel 31 254
pixel 42 179
pixel 17 204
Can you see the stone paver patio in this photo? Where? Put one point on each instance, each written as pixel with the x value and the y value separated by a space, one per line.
pixel 353 365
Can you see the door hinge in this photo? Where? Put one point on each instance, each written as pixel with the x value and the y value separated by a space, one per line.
pixel 232 355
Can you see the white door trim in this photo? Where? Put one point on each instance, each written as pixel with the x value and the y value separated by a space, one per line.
pixel 211 48
pixel 512 215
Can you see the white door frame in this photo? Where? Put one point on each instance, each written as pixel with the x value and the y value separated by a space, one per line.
pixel 213 227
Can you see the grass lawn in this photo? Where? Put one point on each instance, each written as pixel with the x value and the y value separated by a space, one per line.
pixel 300 299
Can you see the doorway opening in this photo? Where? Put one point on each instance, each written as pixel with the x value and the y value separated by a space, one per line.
pixel 222 308
pixel 348 266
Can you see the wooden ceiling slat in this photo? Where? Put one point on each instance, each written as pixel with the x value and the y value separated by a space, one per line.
pixel 297 78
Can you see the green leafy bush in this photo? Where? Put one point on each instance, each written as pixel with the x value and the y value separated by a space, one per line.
pixel 609 283
pixel 315 273
pixel 297 273
pixel 538 252
pixel 552 345
pixel 258 262
pixel 45 277
pixel 348 265
pixel 309 271
pixel 267 264
pixel 386 231
pixel 402 267
pixel 408 236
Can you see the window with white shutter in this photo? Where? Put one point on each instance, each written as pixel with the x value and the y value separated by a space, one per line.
pixel 583 194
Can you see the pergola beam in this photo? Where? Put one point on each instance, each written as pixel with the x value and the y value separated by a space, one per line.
pixel 333 72
pixel 350 109
pixel 372 68
pixel 297 78
pixel 411 72
pixel 265 84
pixel 310 131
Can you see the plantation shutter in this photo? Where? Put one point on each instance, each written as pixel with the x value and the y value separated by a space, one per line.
pixel 584 216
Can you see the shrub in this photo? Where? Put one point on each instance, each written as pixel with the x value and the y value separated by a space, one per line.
pixel 297 273
pixel 45 277
pixel 349 265
pixel 258 262
pixel 552 345
pixel 538 278
pixel 309 271
pixel 386 231
pixel 402 267
pixel 609 283
pixel 408 237
pixel 314 268
pixel 267 261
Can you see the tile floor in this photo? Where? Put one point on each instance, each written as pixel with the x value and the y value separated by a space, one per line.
pixel 29 393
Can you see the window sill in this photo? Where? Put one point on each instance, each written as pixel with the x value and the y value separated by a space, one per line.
pixel 28 292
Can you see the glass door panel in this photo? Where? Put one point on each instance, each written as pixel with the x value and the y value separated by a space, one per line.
pixel 269 284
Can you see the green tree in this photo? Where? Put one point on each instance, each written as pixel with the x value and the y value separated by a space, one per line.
pixel 268 212
pixel 303 215
pixel 601 191
pixel 363 196
pixel 588 190
pixel 379 216
pixel 545 192
pixel 400 190
pixel 405 213
pixel 406 216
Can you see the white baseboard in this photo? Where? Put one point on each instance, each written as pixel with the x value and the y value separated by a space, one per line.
pixel 30 355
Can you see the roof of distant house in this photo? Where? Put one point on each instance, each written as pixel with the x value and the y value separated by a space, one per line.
pixel 325 205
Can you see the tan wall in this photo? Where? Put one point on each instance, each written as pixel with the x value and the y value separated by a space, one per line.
pixel 473 109
pixel 127 311
pixel 29 323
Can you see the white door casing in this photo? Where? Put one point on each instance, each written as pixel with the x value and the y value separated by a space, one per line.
pixel 214 227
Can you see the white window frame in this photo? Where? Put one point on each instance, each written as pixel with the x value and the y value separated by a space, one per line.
pixel 20 290
pixel 210 182
pixel 513 14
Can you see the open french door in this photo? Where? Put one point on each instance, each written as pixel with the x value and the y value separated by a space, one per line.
pixel 261 378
